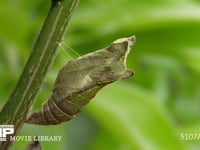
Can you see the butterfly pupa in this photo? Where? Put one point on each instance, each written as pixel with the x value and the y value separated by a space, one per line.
pixel 80 79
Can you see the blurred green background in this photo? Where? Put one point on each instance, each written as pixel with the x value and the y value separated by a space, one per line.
pixel 149 111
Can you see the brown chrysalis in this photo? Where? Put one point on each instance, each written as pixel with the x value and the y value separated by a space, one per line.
pixel 80 79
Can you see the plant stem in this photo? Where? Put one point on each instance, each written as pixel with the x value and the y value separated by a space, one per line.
pixel 20 101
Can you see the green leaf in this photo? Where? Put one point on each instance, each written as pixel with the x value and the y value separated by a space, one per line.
pixel 133 116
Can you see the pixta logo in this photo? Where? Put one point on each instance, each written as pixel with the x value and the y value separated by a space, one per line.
pixel 5 130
